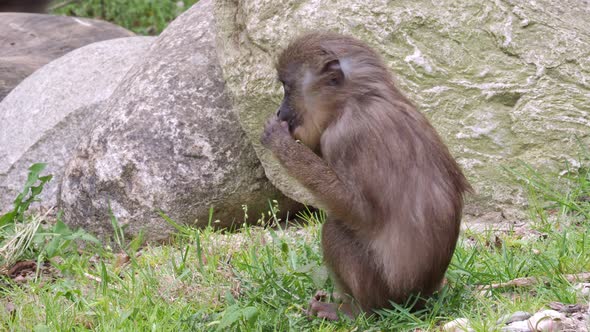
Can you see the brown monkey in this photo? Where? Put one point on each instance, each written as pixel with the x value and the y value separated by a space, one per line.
pixel 392 191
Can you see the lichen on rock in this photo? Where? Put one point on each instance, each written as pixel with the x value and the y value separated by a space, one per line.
pixel 502 81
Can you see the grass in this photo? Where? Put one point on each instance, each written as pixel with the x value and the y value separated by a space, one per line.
pixel 144 17
pixel 260 279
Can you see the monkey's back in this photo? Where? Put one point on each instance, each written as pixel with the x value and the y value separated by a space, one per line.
pixel 410 187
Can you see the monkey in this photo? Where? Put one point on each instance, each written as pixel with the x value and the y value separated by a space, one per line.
pixel 28 6
pixel 392 191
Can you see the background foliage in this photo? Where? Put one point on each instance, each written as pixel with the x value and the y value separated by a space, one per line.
pixel 144 17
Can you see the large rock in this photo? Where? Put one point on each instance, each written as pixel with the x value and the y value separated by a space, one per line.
pixel 28 41
pixel 44 118
pixel 501 81
pixel 171 142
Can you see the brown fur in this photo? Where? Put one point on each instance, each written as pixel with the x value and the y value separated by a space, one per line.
pixel 392 191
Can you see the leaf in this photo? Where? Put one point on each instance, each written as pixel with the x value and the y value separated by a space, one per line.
pixel 250 314
pixel 33 176
pixel 229 298
pixel 230 316
pixel 172 222
pixel 7 218
pixel 61 228
pixel 24 199
pixel 285 247
pixel 62 236
pixel 52 247
pixel 82 235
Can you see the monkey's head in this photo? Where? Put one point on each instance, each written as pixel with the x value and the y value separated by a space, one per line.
pixel 320 72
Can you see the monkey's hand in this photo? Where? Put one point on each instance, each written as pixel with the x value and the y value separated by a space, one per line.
pixel 275 131
pixel 310 170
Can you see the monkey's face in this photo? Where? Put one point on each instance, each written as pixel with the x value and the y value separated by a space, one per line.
pixel 286 111
pixel 311 98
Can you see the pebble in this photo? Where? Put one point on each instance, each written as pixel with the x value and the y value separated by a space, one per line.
pixel 515 317
pixel 583 289
pixel 458 325
pixel 546 321
pixel 566 318
pixel 519 326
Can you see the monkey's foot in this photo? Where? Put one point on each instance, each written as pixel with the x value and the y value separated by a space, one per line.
pixel 319 308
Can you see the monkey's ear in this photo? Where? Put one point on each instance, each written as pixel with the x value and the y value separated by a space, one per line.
pixel 334 69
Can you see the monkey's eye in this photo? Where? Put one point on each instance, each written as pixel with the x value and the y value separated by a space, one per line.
pixel 334 81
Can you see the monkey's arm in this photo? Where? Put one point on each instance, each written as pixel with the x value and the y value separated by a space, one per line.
pixel 312 172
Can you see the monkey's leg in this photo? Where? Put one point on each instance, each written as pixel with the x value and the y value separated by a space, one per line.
pixel 357 281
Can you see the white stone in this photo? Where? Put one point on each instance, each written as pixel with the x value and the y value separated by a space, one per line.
pixel 546 321
pixel 458 325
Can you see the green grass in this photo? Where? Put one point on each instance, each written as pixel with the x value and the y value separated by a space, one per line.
pixel 144 17
pixel 260 279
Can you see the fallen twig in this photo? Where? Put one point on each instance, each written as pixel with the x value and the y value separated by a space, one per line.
pixel 531 281
pixel 91 277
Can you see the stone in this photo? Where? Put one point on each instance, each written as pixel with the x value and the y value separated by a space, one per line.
pixel 568 309
pixel 170 142
pixel 44 117
pixel 458 325
pixel 579 322
pixel 514 317
pixel 501 81
pixel 546 321
pixel 28 41
pixel 583 289
pixel 518 326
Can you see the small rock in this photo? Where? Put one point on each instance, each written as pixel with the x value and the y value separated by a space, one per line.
pixel 458 325
pixel 546 321
pixel 10 308
pixel 19 279
pixel 583 289
pixel 568 308
pixel 518 326
pixel 515 317
pixel 579 322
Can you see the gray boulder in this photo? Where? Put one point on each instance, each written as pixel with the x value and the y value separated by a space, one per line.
pixel 28 41
pixel 501 81
pixel 44 118
pixel 170 142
